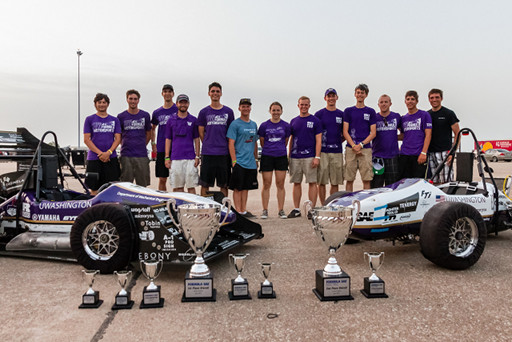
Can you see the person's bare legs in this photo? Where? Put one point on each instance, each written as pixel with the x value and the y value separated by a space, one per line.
pixel 349 186
pixel 237 199
pixel 280 177
pixel 334 189
pixel 321 193
pixel 367 184
pixel 162 183
pixel 313 193
pixel 191 190
pixel 178 189
pixel 265 192
pixel 224 191
pixel 204 190
pixel 297 194
pixel 244 194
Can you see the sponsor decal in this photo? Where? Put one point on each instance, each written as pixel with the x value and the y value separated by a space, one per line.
pixel 11 211
pixel 168 243
pixel 25 210
pixel 440 198
pixel 147 235
pixel 45 217
pixel 65 205
pixel 425 194
pixel 154 256
pixel 405 217
pixel 365 216
pixel 405 205
pixel 466 199
pixel 139 196
pixel 379 230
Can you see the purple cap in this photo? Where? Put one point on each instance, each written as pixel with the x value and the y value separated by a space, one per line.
pixel 330 90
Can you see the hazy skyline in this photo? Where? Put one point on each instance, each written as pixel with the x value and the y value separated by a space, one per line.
pixel 265 50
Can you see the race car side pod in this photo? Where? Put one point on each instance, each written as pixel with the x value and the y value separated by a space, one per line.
pixel 480 159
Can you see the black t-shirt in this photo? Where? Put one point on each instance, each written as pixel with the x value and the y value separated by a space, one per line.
pixel 442 122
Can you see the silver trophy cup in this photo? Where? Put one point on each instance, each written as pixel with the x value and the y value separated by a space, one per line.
pixel 122 279
pixel 88 276
pixel 333 225
pixel 239 261
pixel 199 223
pixel 151 270
pixel 266 267
pixel 375 260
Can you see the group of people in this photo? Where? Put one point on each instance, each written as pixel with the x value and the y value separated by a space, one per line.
pixel 309 147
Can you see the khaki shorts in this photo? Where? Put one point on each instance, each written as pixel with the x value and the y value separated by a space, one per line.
pixel 330 169
pixel 300 166
pixel 183 174
pixel 363 162
pixel 135 168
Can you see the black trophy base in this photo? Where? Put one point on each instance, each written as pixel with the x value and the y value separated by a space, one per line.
pixel 151 299
pixel 123 302
pixel 239 291
pixel 91 301
pixel 124 306
pixel 199 289
pixel 332 288
pixel 266 291
pixel 374 288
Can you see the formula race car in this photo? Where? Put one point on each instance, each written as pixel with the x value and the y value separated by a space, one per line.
pixel 39 217
pixel 451 220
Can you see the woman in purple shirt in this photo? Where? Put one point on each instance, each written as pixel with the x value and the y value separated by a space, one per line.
pixel 274 135
pixel 102 135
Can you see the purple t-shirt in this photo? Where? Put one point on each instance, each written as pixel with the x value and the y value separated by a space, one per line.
pixel 304 131
pixel 102 131
pixel 160 117
pixel 182 132
pixel 133 133
pixel 359 120
pixel 332 130
pixel 385 144
pixel 275 135
pixel 413 127
pixel 216 123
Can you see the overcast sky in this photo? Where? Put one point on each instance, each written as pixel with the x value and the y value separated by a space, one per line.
pixel 266 50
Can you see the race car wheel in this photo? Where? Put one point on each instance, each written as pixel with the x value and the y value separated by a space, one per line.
pixel 495 159
pixel 101 238
pixel 453 235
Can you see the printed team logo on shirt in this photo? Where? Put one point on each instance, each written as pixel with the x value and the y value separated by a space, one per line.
pixel 221 119
pixel 134 124
pixel 366 116
pixel 163 120
pixel 339 120
pixel 103 127
pixel 189 123
pixel 392 125
pixel 275 134
pixel 310 124
pixel 414 125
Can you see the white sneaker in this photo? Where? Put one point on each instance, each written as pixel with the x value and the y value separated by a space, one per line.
pixel 282 214
pixel 264 214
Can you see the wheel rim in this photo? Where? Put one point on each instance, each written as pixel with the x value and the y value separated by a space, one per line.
pixel 100 240
pixel 463 237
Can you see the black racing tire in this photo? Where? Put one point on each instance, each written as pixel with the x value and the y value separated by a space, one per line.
pixel 102 238
pixel 453 235
pixel 334 196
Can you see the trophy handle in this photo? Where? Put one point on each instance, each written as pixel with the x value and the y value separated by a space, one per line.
pixel 226 202
pixel 171 204
pixel 308 205
pixel 159 268
pixel 356 203
pixel 142 269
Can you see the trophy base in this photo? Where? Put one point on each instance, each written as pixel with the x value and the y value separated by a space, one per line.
pixel 266 291
pixel 151 299
pixel 332 288
pixel 199 289
pixel 91 306
pixel 239 291
pixel 374 289
pixel 91 301
pixel 124 306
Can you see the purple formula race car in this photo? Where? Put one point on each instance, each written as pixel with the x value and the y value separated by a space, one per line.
pixel 39 217
pixel 451 220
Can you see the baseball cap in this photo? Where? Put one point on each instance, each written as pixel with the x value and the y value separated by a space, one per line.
pixel 245 100
pixel 167 86
pixel 182 97
pixel 330 90
pixel 378 166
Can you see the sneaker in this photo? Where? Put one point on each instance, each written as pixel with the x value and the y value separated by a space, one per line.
pixel 248 215
pixel 264 214
pixel 310 215
pixel 294 213
pixel 282 214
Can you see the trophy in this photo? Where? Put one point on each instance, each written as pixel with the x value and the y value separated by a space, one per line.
pixel 333 224
pixel 199 223
pixel 266 288
pixel 151 293
pixel 239 286
pixel 123 297
pixel 373 285
pixel 90 299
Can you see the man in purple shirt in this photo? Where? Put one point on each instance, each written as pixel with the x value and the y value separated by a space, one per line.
pixel 213 122
pixel 417 130
pixel 385 145
pixel 135 135
pixel 359 130
pixel 182 148
pixel 159 119
pixel 331 157
pixel 102 135
pixel 305 146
